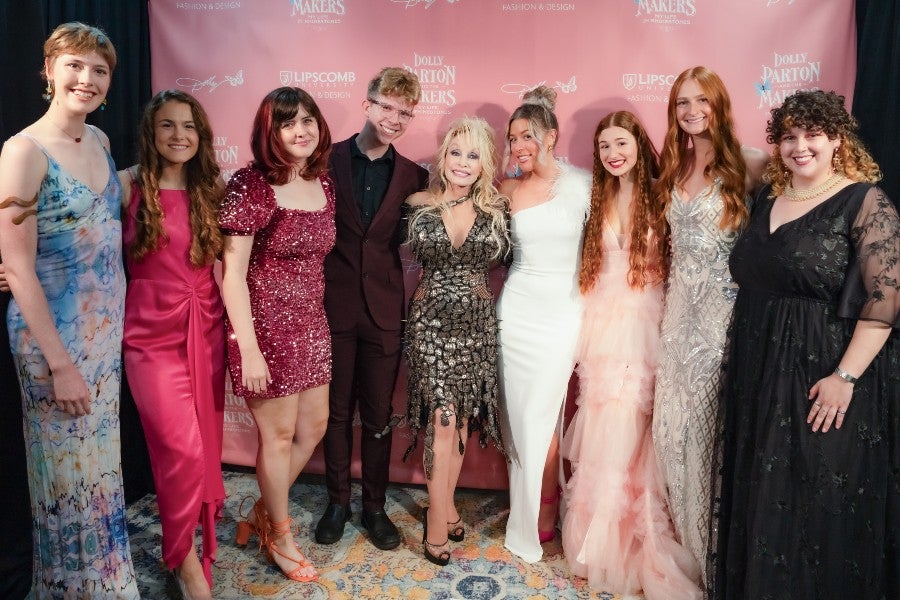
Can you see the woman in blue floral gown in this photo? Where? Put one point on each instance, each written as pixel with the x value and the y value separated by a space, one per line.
pixel 60 238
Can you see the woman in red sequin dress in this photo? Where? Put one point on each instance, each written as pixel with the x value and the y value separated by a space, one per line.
pixel 278 221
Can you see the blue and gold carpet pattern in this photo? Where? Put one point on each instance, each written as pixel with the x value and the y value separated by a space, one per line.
pixel 480 567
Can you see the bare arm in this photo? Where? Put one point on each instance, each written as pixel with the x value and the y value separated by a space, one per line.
pixel 756 161
pixel 126 178
pixel 22 168
pixel 236 295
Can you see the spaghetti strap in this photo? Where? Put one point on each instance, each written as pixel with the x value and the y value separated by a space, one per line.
pixel 35 142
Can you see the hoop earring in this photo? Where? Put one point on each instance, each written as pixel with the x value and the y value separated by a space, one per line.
pixel 48 91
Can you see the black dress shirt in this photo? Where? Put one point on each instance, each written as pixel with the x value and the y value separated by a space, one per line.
pixel 370 180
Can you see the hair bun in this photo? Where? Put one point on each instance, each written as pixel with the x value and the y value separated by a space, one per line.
pixel 542 95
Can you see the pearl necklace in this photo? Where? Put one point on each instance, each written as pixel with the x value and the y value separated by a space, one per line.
pixel 814 192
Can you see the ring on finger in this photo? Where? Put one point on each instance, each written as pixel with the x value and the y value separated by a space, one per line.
pixel 842 412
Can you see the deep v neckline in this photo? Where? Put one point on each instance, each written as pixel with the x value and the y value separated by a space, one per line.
pixel 465 238
pixel 620 244
pixel 68 174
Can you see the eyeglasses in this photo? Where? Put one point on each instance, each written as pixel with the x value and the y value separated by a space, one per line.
pixel 390 111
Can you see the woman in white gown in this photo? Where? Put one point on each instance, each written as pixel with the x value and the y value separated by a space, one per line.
pixel 540 315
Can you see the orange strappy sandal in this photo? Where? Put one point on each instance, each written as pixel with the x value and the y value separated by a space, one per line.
pixel 246 527
pixel 277 531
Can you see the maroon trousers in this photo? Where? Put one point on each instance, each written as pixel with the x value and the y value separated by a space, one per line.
pixel 365 359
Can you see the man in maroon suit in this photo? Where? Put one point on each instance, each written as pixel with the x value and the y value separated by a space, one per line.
pixel 364 301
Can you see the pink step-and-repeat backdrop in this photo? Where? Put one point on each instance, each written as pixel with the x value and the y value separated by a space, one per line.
pixel 477 57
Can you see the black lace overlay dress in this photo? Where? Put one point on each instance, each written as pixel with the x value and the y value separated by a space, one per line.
pixel 812 515
pixel 451 333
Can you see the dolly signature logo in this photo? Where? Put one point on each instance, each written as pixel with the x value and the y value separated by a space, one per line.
pixel 413 3
pixel 210 83
pixel 520 89
pixel 774 2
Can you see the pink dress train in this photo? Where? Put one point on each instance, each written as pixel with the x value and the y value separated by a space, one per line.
pixel 616 531
pixel 174 350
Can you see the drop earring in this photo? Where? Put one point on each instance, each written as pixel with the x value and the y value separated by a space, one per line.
pixel 103 104
pixel 837 165
pixel 48 91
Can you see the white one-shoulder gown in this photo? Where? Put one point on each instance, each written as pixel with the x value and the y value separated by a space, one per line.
pixel 540 316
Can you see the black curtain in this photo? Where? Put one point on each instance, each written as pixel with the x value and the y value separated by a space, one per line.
pixel 24 25
pixel 876 99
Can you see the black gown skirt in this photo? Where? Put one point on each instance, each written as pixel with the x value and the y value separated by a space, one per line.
pixel 812 515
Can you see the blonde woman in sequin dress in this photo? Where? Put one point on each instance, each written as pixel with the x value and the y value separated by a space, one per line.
pixel 278 219
pixel 457 230
pixel 705 175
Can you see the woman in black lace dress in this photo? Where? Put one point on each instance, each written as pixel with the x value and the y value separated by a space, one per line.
pixel 811 498
pixel 456 231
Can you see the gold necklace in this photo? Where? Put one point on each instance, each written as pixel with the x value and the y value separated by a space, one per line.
pixel 77 139
pixel 814 192
pixel 460 200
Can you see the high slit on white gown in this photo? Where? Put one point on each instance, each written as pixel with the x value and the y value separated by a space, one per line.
pixel 540 316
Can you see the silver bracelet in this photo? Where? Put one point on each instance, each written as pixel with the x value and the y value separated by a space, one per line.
pixel 845 375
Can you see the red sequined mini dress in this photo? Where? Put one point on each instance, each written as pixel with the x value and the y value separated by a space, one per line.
pixel 286 281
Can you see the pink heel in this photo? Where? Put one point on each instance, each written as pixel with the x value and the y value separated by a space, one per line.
pixel 546 536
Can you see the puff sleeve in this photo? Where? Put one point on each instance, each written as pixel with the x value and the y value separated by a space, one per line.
pixel 248 204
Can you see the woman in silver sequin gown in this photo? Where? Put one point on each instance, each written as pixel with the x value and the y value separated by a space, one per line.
pixel 705 193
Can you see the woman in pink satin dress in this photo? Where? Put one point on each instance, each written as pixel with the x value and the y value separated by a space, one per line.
pixel 617 532
pixel 174 343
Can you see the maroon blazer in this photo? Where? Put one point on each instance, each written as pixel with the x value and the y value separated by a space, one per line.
pixel 364 268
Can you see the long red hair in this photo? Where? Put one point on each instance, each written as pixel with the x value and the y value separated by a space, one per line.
pixel 727 161
pixel 649 233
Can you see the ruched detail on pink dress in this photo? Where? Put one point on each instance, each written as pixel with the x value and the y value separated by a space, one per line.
pixel 174 348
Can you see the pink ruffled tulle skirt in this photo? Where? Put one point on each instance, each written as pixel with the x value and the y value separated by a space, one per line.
pixel 617 532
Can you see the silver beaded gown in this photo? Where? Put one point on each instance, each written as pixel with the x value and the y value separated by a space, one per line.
pixel 686 416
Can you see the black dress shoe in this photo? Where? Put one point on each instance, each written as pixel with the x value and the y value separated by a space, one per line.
pixel 383 534
pixel 331 526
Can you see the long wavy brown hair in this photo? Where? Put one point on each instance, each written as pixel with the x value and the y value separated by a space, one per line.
pixel 727 162
pixel 204 185
pixel 819 111
pixel 649 233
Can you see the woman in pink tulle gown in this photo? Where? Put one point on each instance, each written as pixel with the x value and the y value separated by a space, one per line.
pixel 616 530
pixel 174 343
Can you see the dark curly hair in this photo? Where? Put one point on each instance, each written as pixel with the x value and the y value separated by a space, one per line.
pixel 817 110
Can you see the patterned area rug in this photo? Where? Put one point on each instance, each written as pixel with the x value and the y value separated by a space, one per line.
pixel 480 569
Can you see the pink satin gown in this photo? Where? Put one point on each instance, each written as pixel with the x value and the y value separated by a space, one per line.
pixel 174 350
